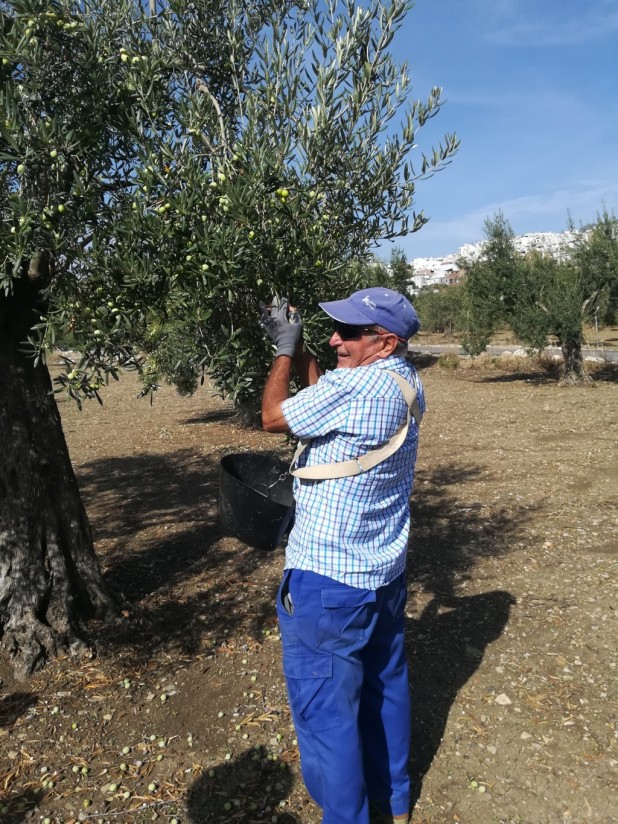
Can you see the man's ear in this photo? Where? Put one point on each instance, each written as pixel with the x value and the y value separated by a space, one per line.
pixel 389 342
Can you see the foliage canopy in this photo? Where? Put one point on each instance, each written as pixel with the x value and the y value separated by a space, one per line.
pixel 157 181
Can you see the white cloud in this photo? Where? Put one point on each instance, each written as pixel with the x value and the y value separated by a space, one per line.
pixel 528 213
pixel 541 97
pixel 583 200
pixel 530 29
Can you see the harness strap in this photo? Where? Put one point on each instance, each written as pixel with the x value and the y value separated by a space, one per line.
pixel 347 469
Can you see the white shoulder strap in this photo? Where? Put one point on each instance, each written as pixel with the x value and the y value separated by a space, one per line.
pixel 347 469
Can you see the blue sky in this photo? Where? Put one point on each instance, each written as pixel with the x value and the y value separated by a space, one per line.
pixel 532 91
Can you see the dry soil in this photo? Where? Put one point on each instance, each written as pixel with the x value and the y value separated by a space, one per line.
pixel 182 712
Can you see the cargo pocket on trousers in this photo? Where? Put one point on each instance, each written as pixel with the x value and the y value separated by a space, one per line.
pixel 345 617
pixel 311 690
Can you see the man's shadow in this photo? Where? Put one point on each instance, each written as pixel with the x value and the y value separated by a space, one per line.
pixel 244 789
pixel 447 640
pixel 446 645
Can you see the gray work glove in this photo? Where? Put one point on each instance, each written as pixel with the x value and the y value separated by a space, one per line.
pixel 285 332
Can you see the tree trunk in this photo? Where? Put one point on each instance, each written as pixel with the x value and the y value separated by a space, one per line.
pixel 573 373
pixel 50 579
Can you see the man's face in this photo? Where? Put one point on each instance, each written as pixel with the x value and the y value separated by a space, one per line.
pixel 360 345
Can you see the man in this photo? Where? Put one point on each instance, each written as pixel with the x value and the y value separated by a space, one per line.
pixel 341 602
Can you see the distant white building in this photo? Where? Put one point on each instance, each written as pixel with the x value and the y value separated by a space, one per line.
pixel 444 270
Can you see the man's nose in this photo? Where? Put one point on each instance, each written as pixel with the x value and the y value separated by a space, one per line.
pixel 335 340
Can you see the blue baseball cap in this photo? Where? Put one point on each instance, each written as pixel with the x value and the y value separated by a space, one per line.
pixel 376 306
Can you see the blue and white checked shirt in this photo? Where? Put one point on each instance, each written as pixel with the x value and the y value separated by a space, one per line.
pixel 354 530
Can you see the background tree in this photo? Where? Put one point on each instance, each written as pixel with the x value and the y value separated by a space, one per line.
pixel 538 296
pixel 155 183
pixel 441 308
pixel 399 272
pixel 491 285
pixel 596 256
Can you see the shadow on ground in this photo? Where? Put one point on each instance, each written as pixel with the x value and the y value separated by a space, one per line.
pixel 176 574
pixel 422 361
pixel 447 641
pixel 248 788
pixel 17 808
pixel 161 512
pixel 445 647
pixel 14 705
pixel 450 535
pixel 214 416
pixel 551 373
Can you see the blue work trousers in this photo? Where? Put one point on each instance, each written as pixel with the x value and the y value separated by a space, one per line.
pixel 347 678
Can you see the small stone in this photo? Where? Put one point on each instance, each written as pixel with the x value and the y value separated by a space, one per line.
pixel 503 699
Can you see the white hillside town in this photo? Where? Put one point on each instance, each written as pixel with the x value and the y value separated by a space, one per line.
pixel 446 271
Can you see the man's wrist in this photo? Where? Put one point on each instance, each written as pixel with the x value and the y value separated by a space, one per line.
pixel 285 352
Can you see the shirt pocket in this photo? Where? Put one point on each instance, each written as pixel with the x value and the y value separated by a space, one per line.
pixel 311 691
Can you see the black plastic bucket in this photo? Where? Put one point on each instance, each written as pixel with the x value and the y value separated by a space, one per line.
pixel 255 498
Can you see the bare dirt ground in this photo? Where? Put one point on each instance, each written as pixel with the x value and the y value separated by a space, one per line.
pixel 512 623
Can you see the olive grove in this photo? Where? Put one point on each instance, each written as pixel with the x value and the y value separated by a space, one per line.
pixel 541 297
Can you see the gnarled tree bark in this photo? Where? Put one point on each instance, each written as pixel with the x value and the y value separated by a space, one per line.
pixel 50 580
pixel 573 372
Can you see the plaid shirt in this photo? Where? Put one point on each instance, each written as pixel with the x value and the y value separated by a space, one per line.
pixel 354 530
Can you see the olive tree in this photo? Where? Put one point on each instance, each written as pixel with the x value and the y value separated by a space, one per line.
pixel 491 285
pixel 310 171
pixel 596 256
pixel 541 297
pixel 441 308
pixel 163 168
pixel 399 271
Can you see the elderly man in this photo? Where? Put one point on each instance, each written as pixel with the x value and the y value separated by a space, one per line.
pixel 341 601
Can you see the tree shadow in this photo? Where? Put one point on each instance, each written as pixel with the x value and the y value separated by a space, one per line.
pixel 447 641
pixel 15 808
pixel 550 373
pixel 214 416
pixel 169 500
pixel 249 788
pixel 177 574
pixel 18 808
pixel 449 535
pixel 421 360
pixel 189 583
pixel 14 705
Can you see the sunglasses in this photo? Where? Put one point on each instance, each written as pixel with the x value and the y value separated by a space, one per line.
pixel 347 331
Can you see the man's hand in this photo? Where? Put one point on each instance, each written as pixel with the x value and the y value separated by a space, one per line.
pixel 285 332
